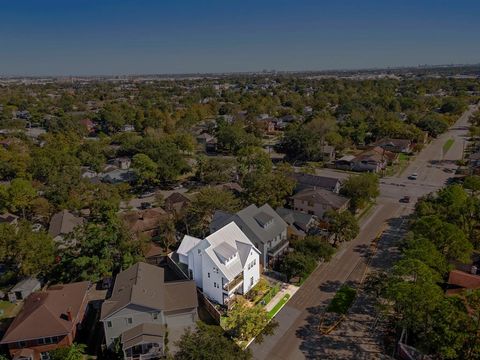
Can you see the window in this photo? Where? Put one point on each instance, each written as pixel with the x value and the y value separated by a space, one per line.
pixel 45 356
pixel 129 320
pixel 251 281
pixel 109 324
pixel 214 284
pixel 208 274
pixel 155 315
pixel 22 344
pixel 199 251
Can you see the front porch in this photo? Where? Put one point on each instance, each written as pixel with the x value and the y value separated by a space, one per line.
pixel 276 253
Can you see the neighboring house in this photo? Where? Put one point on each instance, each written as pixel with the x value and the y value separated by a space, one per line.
pixel 224 263
pixel 395 145
pixel 299 223
pixel 345 162
pixel 62 224
pixel 118 176
pixel 122 163
pixel 305 181
pixel 262 225
pixel 318 201
pixel 373 160
pixel 208 141
pixel 143 307
pixel 23 289
pixel 88 124
pixel 128 128
pixel 176 203
pixel 144 222
pixel 154 254
pixel 8 218
pixel 459 281
pixel 230 186
pixel 328 153
pixel 48 320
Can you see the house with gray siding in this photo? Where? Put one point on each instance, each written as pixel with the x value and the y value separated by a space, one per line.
pixel 143 307
pixel 262 225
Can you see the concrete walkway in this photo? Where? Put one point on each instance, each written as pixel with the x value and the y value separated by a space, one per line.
pixel 286 289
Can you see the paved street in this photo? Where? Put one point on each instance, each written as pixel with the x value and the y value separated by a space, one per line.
pixel 297 336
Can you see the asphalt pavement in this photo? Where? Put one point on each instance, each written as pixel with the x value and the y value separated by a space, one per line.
pixel 297 336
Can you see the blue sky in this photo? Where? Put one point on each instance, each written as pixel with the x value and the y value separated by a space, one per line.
pixel 87 37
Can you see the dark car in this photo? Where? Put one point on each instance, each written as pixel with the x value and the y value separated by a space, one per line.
pixel 405 199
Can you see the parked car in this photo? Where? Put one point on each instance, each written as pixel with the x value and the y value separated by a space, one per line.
pixel 405 199
pixel 413 176
pixel 145 205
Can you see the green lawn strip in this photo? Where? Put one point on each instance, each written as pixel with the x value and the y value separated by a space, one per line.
pixel 366 210
pixel 342 300
pixel 448 144
pixel 278 306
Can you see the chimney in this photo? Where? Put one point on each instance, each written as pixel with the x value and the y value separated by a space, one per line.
pixel 69 314
pixel 473 270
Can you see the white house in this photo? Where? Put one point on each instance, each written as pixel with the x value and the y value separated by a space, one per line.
pixel 224 263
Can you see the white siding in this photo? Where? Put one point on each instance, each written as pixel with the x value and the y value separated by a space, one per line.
pixel 213 292
pixel 253 272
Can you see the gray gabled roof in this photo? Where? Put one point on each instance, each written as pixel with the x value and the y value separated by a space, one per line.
pixel 297 218
pixel 309 180
pixel 143 285
pixel 252 220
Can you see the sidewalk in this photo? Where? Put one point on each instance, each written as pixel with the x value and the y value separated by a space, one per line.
pixel 286 289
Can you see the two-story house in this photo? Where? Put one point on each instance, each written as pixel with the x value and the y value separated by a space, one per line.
pixel 262 225
pixel 318 201
pixel 48 320
pixel 224 263
pixel 143 307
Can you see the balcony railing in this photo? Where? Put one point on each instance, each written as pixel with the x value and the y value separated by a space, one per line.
pixel 234 283
pixel 278 248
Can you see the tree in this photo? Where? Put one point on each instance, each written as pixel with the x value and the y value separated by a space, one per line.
pixel 361 189
pixel 472 183
pixel 315 246
pixel 268 187
pixel 211 170
pixel 343 225
pixel 208 342
pixel 167 232
pixel 145 169
pixel 204 204
pixel 20 195
pixel 245 322
pixel 73 352
pixel 32 253
pixel 297 264
pixel 253 158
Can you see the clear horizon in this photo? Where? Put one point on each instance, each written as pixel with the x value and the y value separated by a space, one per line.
pixel 124 37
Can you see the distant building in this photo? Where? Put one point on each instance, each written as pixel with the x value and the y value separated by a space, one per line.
pixel 176 202
pixel 8 218
pixel 62 224
pixel 144 222
pixel 122 163
pixel 306 181
pixel 299 224
pixel 23 289
pixel 318 201
pixel 395 145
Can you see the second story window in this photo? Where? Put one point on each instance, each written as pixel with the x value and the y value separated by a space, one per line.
pixel 129 320
pixel 155 315
pixel 109 324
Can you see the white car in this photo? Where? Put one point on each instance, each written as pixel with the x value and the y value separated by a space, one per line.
pixel 413 176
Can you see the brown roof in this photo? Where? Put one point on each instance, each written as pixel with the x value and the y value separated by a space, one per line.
pixel 322 196
pixel 44 314
pixel 464 280
pixel 142 333
pixel 63 223
pixel 7 218
pixel 176 197
pixel 144 285
pixel 153 250
pixel 144 220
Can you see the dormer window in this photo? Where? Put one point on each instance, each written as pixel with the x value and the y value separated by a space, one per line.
pixel 264 220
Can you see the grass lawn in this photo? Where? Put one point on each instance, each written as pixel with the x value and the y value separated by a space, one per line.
pixel 342 300
pixel 448 144
pixel 6 308
pixel 278 306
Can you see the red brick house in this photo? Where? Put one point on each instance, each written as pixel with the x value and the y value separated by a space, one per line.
pixel 48 320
